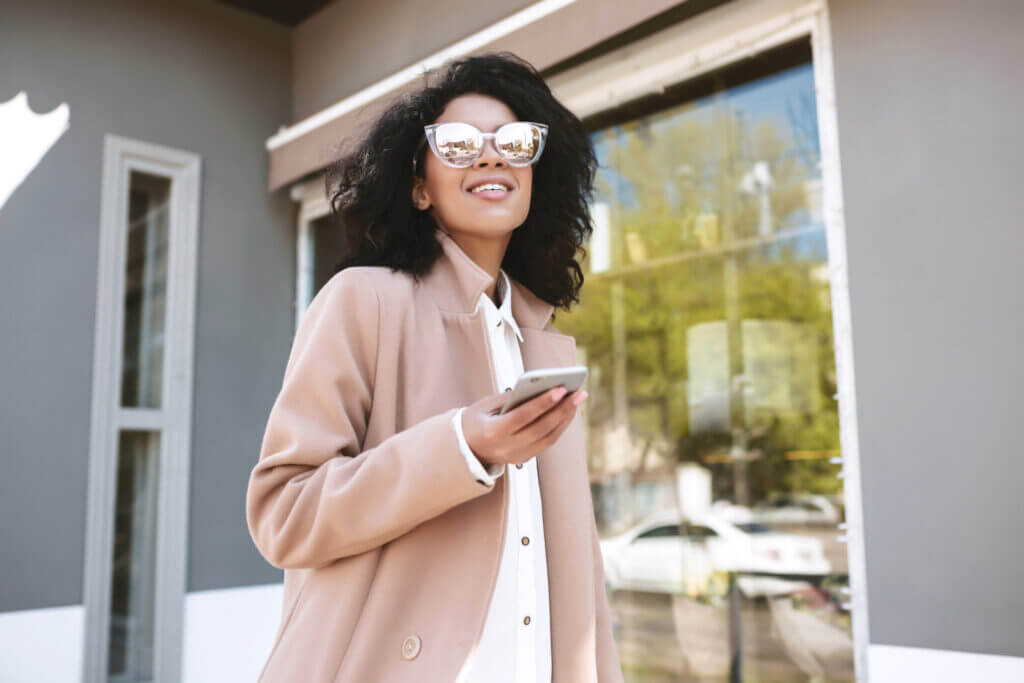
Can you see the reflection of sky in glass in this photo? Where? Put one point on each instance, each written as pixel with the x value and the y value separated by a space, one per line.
pixel 784 100
pixel 805 247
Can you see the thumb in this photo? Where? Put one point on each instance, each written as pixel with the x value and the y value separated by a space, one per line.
pixel 493 402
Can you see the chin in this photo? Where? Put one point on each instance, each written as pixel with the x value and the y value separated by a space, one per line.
pixel 488 230
pixel 488 222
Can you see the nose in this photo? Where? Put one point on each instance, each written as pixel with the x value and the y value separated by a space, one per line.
pixel 490 156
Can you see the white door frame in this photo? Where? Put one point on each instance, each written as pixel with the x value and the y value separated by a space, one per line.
pixel 173 420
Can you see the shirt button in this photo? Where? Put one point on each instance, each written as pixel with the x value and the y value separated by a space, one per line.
pixel 526 540
pixel 411 646
pixel 508 388
pixel 519 466
pixel 526 620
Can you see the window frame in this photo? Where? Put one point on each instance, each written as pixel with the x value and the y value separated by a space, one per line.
pixel 311 196
pixel 173 420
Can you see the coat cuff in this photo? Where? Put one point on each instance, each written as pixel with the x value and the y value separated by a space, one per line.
pixel 485 475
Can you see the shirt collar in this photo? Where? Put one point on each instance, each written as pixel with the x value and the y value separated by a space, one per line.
pixel 495 314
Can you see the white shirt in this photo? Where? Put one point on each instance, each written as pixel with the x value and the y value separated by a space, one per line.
pixel 510 650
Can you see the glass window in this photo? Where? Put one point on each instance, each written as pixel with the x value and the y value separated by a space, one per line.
pixel 328 249
pixel 142 382
pixel 145 290
pixel 695 531
pixel 706 322
pixel 133 580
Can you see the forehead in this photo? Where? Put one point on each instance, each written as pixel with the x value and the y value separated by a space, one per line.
pixel 485 112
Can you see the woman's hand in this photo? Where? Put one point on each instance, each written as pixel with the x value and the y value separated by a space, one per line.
pixel 522 432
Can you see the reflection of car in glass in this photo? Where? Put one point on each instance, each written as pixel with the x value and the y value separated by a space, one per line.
pixel 796 508
pixel 668 554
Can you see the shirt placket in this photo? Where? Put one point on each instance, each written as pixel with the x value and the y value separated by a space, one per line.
pixel 526 594
pixel 525 599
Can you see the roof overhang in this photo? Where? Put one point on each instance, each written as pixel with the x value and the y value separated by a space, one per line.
pixel 545 34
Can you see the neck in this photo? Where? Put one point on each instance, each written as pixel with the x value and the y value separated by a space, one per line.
pixel 486 251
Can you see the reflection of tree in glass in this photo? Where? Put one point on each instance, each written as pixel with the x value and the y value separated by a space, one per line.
pixel 660 177
pixel 693 164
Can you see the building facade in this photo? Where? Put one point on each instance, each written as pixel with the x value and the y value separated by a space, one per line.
pixel 800 428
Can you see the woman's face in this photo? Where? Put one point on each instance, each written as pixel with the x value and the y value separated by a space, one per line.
pixel 445 191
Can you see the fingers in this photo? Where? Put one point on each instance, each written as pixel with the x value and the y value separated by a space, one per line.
pixel 545 441
pixel 551 420
pixel 526 413
pixel 552 434
pixel 493 403
pixel 545 431
pixel 524 431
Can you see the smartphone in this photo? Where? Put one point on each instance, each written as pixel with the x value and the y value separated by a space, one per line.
pixel 535 382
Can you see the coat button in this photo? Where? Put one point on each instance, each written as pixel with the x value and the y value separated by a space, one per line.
pixel 411 647
pixel 526 620
pixel 526 540
pixel 519 466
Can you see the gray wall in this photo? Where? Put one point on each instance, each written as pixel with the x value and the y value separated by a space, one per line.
pixel 349 45
pixel 930 109
pixel 192 75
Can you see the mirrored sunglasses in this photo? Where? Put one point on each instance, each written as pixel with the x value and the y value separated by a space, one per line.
pixel 458 145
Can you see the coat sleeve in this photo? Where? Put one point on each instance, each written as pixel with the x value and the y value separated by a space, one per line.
pixel 315 495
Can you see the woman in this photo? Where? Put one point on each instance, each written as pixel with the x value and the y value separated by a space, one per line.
pixel 424 536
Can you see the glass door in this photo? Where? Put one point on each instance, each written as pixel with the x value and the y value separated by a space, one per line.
pixel 706 322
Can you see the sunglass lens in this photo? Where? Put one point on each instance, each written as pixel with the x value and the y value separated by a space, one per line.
pixel 457 143
pixel 518 142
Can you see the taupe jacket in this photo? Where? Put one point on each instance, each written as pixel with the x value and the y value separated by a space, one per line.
pixel 390 545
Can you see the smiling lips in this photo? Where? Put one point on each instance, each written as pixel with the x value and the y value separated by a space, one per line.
pixel 490 188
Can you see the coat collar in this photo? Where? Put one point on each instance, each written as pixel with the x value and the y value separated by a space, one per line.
pixel 456 282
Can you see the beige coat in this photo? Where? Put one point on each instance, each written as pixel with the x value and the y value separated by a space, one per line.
pixel 390 545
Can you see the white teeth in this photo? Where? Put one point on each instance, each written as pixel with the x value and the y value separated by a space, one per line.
pixel 489 186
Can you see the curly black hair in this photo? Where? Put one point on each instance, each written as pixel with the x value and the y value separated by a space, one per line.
pixel 370 185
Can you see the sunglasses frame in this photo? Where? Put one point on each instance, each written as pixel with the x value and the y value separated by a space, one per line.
pixel 428 131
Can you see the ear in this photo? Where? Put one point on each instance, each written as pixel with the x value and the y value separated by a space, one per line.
pixel 420 198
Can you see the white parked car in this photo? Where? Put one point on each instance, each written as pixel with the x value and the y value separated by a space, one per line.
pixel 796 508
pixel 668 554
